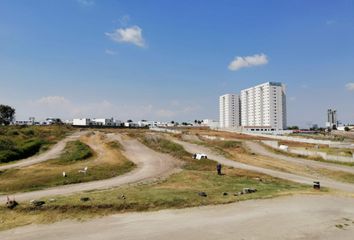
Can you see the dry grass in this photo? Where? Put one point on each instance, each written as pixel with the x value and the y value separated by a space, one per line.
pixel 222 134
pixel 244 156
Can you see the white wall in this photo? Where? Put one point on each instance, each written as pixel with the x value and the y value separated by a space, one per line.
pixel 81 121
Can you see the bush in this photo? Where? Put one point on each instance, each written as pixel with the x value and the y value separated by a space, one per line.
pixel 6 144
pixel 10 152
pixel 29 148
pixel 8 156
pixel 17 142
pixel 230 144
pixel 76 151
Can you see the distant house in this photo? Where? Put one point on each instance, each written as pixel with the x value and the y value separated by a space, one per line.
pixel 23 122
pixel 81 122
pixel 210 123
pixel 51 120
pixel 96 122
pixel 131 124
pixel 118 123
pixel 30 121
pixel 144 123
pixel 103 122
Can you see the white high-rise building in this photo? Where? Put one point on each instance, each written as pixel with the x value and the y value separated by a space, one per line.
pixel 229 110
pixel 263 107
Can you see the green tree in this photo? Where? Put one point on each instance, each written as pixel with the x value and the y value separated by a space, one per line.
pixel 346 129
pixel 7 114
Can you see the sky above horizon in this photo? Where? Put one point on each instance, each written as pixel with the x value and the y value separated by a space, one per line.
pixel 171 60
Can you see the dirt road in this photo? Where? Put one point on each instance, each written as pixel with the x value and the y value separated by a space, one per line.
pixel 194 148
pixel 150 165
pixel 292 217
pixel 261 150
pixel 53 152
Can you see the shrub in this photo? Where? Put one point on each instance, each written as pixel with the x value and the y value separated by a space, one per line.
pixel 29 148
pixel 76 151
pixel 8 156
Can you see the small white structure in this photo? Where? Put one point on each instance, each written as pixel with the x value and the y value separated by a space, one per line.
pixel 284 147
pixel 210 123
pixel 143 123
pixel 200 156
pixel 131 124
pixel 30 121
pixel 118 122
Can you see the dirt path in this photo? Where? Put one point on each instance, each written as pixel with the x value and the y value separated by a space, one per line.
pixel 261 150
pixel 292 217
pixel 150 165
pixel 194 148
pixel 53 152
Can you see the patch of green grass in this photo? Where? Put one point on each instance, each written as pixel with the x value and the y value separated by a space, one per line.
pixel 75 151
pixel 19 142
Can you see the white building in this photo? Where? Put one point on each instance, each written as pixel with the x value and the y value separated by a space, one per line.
pixel 210 123
pixel 103 122
pixel 263 107
pixel 81 122
pixel 332 121
pixel 229 110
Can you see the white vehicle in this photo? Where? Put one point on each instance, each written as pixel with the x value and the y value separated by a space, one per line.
pixel 200 156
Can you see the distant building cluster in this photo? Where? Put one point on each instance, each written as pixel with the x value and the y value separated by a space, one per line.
pixel 111 122
pixel 261 108
pixel 32 121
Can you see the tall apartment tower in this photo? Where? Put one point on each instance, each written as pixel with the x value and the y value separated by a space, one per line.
pixel 263 107
pixel 229 110
pixel 331 118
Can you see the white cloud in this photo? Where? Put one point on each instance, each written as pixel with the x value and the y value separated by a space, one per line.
pixel 86 2
pixel 131 35
pixel 52 100
pixel 248 61
pixel 110 52
pixel 349 86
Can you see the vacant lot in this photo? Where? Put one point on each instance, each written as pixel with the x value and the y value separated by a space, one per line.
pixel 180 190
pixel 18 142
pixel 104 163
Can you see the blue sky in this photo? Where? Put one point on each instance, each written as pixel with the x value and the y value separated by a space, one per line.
pixel 170 60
